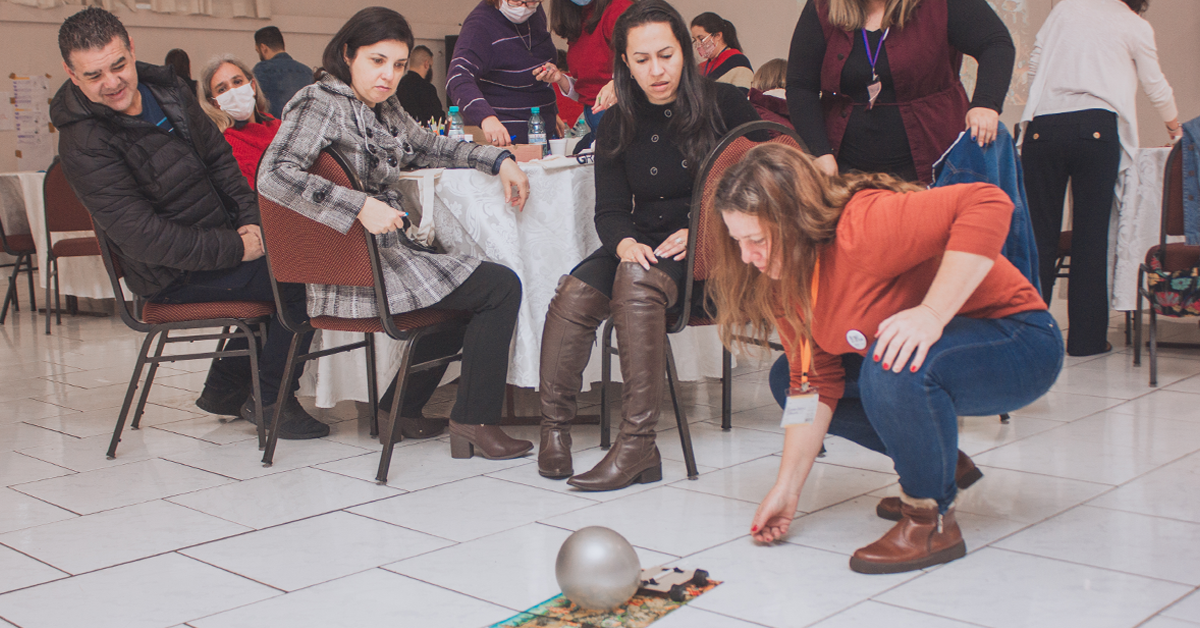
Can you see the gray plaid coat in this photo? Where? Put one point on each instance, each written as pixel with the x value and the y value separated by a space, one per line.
pixel 376 147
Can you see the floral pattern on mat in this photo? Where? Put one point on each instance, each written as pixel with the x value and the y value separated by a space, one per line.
pixel 640 611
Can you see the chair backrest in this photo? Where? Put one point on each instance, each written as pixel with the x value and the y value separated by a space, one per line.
pixel 64 212
pixel 1172 209
pixel 701 241
pixel 112 264
pixel 302 250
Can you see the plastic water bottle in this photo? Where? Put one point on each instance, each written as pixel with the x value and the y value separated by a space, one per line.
pixel 456 131
pixel 537 130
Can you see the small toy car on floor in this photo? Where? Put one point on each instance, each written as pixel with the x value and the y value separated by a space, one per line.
pixel 671 581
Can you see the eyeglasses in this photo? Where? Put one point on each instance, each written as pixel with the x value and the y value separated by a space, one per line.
pixel 700 41
pixel 525 3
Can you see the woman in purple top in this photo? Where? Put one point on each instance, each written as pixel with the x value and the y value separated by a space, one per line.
pixel 491 79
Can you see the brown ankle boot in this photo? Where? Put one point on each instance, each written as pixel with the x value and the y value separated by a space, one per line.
pixel 965 474
pixel 490 441
pixel 640 301
pixel 921 539
pixel 575 312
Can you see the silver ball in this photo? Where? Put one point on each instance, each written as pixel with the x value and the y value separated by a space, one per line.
pixel 597 569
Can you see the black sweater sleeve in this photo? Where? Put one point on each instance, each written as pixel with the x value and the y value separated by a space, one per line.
pixel 976 30
pixel 805 58
pixel 614 197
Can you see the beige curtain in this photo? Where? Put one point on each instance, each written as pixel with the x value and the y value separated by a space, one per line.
pixel 231 8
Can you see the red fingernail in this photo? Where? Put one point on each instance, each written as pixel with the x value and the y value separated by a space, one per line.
pixel 754 528
pixel 914 368
pixel 886 366
pixel 877 357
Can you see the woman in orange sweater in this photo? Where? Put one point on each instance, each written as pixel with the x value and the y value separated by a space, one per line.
pixel 911 280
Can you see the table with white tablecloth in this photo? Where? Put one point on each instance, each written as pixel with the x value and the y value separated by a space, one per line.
pixel 465 210
pixel 1136 224
pixel 77 276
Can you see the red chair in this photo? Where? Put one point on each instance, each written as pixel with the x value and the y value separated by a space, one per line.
pixel 20 246
pixel 64 212
pixel 700 256
pixel 301 250
pixel 158 320
pixel 1164 262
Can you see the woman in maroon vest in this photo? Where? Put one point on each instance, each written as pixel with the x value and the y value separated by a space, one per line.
pixel 873 84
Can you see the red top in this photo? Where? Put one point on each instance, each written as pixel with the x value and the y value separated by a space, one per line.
pixel 591 56
pixel 568 109
pixel 884 258
pixel 249 143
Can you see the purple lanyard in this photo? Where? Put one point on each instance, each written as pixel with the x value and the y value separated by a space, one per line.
pixel 872 59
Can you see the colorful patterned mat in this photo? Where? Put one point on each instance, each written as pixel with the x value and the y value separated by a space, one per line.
pixel 640 611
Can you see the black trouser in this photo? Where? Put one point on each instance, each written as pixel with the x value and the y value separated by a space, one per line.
pixel 1083 147
pixel 248 281
pixel 493 296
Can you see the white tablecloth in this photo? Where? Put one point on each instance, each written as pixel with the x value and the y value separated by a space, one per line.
pixel 1136 224
pixel 78 276
pixel 546 240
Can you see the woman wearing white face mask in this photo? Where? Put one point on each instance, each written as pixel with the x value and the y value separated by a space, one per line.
pixel 717 45
pixel 491 77
pixel 233 101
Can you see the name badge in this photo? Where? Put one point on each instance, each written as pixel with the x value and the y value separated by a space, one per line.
pixel 801 407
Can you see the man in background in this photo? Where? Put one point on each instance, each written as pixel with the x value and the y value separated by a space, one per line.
pixel 416 92
pixel 279 76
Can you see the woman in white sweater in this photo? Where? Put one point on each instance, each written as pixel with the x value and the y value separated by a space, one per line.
pixel 1082 125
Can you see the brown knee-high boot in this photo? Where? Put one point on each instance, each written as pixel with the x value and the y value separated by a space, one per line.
pixel 575 312
pixel 640 301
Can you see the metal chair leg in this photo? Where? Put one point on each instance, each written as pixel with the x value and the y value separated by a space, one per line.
pixel 52 264
pixel 141 406
pixel 32 294
pixel 11 295
pixel 1153 347
pixel 1128 325
pixel 373 386
pixel 57 296
pixel 726 389
pixel 273 434
pixel 133 381
pixel 685 433
pixel 255 383
pixel 605 379
pixel 1137 322
pixel 385 458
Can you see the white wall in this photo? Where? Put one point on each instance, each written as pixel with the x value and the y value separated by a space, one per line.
pixel 28 42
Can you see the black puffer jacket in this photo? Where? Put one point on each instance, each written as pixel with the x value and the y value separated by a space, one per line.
pixel 169 202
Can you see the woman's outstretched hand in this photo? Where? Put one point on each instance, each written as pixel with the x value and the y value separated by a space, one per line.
pixel 774 514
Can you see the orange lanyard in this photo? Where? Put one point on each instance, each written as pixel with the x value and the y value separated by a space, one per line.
pixel 805 345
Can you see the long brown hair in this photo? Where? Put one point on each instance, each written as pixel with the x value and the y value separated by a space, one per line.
pixel 798 208
pixel 851 15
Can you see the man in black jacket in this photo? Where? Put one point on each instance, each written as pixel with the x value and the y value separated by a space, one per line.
pixel 161 183
pixel 417 95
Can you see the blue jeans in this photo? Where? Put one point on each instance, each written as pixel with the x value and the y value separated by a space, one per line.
pixel 593 119
pixel 979 367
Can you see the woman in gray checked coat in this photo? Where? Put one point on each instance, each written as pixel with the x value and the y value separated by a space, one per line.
pixel 353 108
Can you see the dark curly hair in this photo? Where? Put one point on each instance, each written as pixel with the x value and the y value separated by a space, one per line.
pixel 1138 6
pixel 89 29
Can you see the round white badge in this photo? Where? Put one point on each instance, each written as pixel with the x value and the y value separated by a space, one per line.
pixel 856 339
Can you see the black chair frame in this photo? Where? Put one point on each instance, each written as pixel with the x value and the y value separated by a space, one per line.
pixel 1143 290
pixel 252 329
pixel 408 338
pixel 24 262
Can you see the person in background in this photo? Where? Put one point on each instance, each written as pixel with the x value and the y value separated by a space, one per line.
pixel 649 148
pixel 912 281
pixel 501 45
pixel 240 110
pixel 162 185
pixel 569 110
pixel 768 93
pixel 716 42
pixel 587 25
pixel 1082 125
pixel 873 85
pixel 355 100
pixel 417 94
pixel 178 59
pixel 278 74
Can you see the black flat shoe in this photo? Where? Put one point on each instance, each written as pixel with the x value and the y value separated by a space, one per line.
pixel 294 424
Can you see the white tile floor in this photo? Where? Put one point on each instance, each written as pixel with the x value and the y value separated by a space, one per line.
pixel 1088 514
